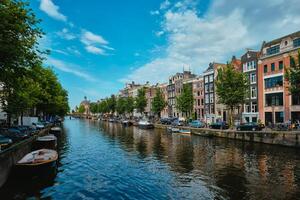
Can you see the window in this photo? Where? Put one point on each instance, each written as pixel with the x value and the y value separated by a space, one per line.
pixel 295 99
pixel 279 117
pixel 211 98
pixel 206 98
pixel 253 78
pixel 202 102
pixel 206 79
pixel 253 92
pixel 198 102
pixel 254 107
pixel 280 65
pixel 198 93
pixel 211 87
pixel 296 42
pixel 273 82
pixel 265 68
pixel 247 108
pixel 273 50
pixel 272 67
pixel 206 88
pixel 275 99
pixel 211 78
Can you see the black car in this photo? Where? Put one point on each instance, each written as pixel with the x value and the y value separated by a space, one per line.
pixel 167 121
pixel 251 126
pixel 219 125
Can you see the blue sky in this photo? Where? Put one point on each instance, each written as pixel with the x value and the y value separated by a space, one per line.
pixel 96 45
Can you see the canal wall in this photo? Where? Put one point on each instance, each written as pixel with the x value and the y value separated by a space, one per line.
pixel 284 138
pixel 13 154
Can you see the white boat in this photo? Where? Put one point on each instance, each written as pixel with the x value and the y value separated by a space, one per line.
pixel 39 162
pixel 144 124
pixel 173 129
pixel 185 131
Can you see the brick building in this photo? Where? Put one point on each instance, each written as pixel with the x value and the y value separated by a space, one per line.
pixel 276 105
pixel 249 67
pixel 198 92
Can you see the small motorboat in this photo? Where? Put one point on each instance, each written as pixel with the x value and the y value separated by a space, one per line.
pixel 144 124
pixel 172 129
pixel 126 123
pixel 56 130
pixel 48 142
pixel 37 162
pixel 185 131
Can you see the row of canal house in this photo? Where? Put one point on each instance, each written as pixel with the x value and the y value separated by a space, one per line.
pixel 269 99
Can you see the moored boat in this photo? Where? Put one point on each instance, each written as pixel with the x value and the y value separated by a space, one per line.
pixel 143 124
pixel 188 132
pixel 37 162
pixel 126 123
pixel 48 142
pixel 172 129
pixel 56 131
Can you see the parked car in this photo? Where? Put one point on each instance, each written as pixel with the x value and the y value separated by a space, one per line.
pixel 196 124
pixel 177 122
pixel 14 134
pixel 250 126
pixel 4 141
pixel 25 129
pixel 38 125
pixel 167 121
pixel 219 125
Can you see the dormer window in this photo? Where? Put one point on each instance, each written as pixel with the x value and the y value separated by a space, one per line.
pixel 273 50
pixel 286 43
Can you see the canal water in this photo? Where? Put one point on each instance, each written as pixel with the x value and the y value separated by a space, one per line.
pixel 107 161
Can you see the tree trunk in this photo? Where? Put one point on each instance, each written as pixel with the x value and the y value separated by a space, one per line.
pixel 21 118
pixel 231 117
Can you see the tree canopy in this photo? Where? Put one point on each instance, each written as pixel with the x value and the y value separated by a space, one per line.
pixel 232 88
pixel 140 100
pixel 158 103
pixel 293 75
pixel 185 101
pixel 27 85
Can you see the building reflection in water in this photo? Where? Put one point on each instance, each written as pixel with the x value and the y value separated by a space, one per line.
pixel 230 168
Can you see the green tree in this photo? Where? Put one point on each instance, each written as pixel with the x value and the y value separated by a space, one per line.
pixel 140 100
pixel 232 88
pixel 293 76
pixel 158 103
pixel 81 109
pixel 121 105
pixel 19 51
pixel 94 107
pixel 185 101
pixel 111 103
pixel 129 105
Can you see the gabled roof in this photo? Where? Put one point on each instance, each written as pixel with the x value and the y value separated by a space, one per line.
pixel 278 40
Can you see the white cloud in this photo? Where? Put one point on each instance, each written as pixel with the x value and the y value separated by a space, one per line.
pixel 52 10
pixel 94 43
pixel 69 68
pixel 95 50
pixel 227 28
pixel 89 38
pixel 165 5
pixel 66 34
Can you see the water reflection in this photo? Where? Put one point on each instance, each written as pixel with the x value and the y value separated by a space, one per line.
pixel 109 161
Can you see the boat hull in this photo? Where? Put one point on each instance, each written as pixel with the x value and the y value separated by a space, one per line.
pixel 146 126
pixel 51 144
pixel 56 132
pixel 25 170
